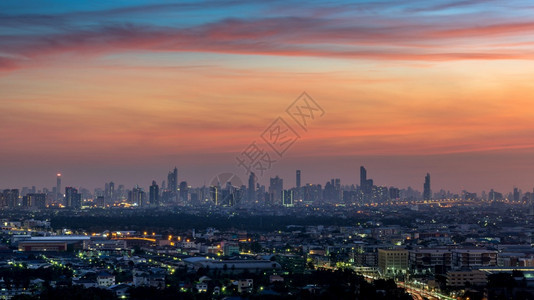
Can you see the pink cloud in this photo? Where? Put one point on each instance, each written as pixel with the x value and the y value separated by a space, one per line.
pixel 280 37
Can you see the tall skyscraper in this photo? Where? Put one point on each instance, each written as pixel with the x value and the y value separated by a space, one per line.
pixel 251 188
pixel 363 177
pixel 184 191
pixel 366 185
pixel 58 187
pixel 109 193
pixel 298 179
pixel 137 196
pixel 214 194
pixel 275 190
pixel 427 192
pixel 154 194
pixel 72 198
pixel 172 181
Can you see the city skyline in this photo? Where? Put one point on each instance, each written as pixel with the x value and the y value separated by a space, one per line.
pixel 364 183
pixel 122 91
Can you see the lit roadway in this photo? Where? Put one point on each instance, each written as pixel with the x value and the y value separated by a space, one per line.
pixel 416 292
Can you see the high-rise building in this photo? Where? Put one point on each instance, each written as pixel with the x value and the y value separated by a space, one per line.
pixel 34 201
pixel 231 195
pixel 275 190
pixel 109 193
pixel 137 196
pixel 184 191
pixel 298 179
pixel 329 192
pixel 517 194
pixel 154 194
pixel 394 193
pixel 106 189
pixel 121 193
pixel 172 181
pixel 287 198
pixel 251 188
pixel 366 185
pixel 72 198
pixel 214 194
pixel 427 192
pixel 10 198
pixel 363 177
pixel 58 187
pixel 495 196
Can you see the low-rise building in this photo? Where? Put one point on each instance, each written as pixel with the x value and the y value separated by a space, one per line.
pixel 245 285
pixel 463 278
pixel 105 279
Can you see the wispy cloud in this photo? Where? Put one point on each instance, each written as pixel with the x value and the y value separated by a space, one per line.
pixel 281 37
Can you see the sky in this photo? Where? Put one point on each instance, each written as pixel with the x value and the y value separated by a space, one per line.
pixel 124 91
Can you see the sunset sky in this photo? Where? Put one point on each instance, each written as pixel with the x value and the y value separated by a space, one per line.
pixel 125 91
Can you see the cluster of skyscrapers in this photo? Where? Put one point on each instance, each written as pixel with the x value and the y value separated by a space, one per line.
pixel 232 192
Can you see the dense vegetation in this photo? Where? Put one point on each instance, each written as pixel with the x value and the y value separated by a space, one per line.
pixel 185 221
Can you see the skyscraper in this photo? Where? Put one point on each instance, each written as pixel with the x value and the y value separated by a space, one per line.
pixel 35 201
pixel 251 188
pixel 184 191
pixel 517 194
pixel 427 192
pixel 72 198
pixel 275 190
pixel 137 196
pixel 298 179
pixel 366 185
pixel 109 193
pixel 363 177
pixel 287 198
pixel 58 187
pixel 154 194
pixel 10 198
pixel 214 194
pixel 172 181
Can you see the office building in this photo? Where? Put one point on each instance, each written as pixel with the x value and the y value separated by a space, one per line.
pixel 287 198
pixel 137 196
pixel 184 192
pixel 34 201
pixel 392 261
pixel 427 192
pixel 72 198
pixel 366 185
pixel 154 194
pixel 275 190
pixel 109 193
pixel 172 181
pixel 251 191
pixel 10 198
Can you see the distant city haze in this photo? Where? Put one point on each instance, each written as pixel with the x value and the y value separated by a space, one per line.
pixel 106 93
